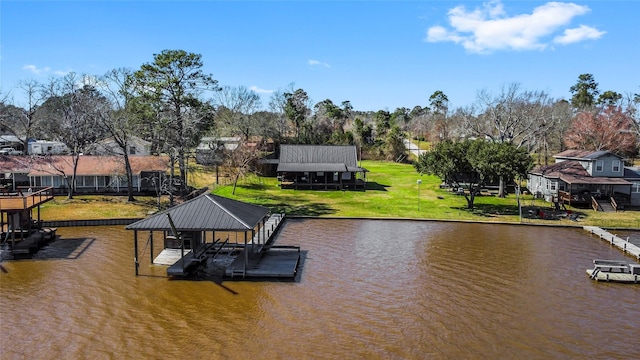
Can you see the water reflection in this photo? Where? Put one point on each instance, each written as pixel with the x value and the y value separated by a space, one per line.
pixel 369 289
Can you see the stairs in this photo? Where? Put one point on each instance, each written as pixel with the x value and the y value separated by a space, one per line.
pixel 605 205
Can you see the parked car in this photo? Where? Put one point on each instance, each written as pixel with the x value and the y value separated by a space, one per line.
pixel 10 151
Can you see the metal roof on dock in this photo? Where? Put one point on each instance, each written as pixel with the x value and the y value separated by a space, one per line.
pixel 206 212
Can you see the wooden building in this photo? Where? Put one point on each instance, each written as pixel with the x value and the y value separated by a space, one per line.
pixel 320 167
pixel 22 233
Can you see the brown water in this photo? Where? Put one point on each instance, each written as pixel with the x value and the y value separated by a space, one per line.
pixel 368 289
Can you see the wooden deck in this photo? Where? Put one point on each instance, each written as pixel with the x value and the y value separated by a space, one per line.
pixel 622 244
pixel 18 201
pixel 264 259
pixel 276 262
pixel 169 256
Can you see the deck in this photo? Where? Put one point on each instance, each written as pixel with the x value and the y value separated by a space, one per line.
pixel 17 201
pixel 615 271
pixel 276 262
pixel 260 259
pixel 266 260
pixel 622 244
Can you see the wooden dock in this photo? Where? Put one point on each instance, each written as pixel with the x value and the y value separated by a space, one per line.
pixel 259 259
pixel 169 256
pixel 622 244
pixel 276 262
pixel 267 260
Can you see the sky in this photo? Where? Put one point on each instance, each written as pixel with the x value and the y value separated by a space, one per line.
pixel 379 55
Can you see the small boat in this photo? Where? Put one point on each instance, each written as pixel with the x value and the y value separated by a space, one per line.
pixel 615 271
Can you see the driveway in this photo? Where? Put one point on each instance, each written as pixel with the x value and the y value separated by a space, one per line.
pixel 413 148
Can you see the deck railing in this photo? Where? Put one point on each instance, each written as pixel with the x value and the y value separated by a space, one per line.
pixel 11 201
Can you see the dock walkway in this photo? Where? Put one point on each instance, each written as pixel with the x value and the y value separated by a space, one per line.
pixel 622 244
pixel 267 261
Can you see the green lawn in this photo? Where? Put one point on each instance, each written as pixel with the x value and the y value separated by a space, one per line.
pixel 392 192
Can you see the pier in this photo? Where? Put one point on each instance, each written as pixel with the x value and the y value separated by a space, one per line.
pixel 266 260
pixel 622 244
pixel 186 227
pixel 21 235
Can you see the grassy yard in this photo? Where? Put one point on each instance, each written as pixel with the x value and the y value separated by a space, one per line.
pixel 392 191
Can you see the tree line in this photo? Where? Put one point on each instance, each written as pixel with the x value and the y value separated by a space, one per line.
pixel 171 102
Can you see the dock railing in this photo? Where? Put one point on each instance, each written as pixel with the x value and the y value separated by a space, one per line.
pixel 18 200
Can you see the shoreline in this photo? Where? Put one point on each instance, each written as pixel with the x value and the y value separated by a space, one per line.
pixel 127 221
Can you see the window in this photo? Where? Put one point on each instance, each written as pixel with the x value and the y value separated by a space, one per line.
pixel 635 187
pixel 615 166
pixel 599 165
pixel 132 150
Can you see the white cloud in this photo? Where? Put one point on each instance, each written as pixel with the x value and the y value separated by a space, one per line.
pixel 259 90
pixel 578 34
pixel 45 70
pixel 320 63
pixel 489 28
pixel 35 70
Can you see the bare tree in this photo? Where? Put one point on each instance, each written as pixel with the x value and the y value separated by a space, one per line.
pixel 73 107
pixel 513 116
pixel 277 105
pixel 120 122
pixel 22 122
pixel 237 107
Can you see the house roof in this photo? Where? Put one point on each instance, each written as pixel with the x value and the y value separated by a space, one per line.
pixel 572 172
pixel 206 212
pixel 631 174
pixel 584 154
pixel 326 158
pixel 87 165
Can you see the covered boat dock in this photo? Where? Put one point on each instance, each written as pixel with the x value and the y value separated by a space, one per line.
pixel 22 235
pixel 191 234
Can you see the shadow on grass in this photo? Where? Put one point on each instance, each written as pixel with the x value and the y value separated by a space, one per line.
pixel 374 186
pixel 489 210
pixel 304 209
pixel 255 186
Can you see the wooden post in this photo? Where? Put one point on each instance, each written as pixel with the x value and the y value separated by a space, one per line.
pixel 135 249
pixel 246 253
pixel 151 246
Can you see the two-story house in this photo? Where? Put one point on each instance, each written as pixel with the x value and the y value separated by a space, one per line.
pixel 580 177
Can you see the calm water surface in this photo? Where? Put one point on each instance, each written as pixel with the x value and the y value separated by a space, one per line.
pixel 368 290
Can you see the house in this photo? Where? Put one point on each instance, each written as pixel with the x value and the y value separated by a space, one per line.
pixel 94 174
pixel 136 146
pixel 211 150
pixel 321 167
pixel 586 178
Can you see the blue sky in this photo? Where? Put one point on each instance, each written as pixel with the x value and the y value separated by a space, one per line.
pixel 377 54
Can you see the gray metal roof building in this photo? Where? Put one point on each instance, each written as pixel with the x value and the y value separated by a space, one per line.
pixel 320 167
pixel 205 213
